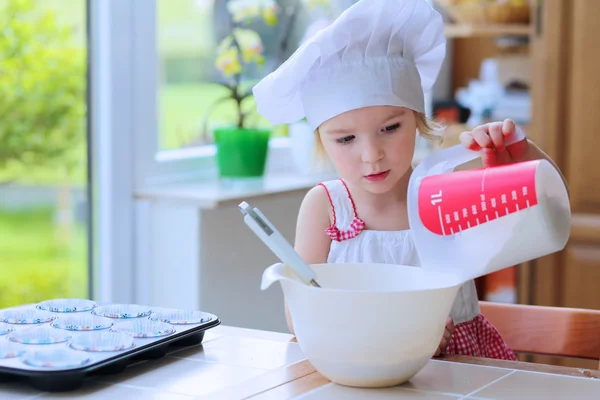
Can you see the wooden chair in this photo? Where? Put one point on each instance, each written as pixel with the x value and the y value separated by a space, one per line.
pixel 554 331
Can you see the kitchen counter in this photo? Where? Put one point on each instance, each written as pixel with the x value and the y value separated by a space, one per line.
pixel 236 363
pixel 226 357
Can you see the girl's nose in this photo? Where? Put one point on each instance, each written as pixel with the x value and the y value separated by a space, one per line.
pixel 372 152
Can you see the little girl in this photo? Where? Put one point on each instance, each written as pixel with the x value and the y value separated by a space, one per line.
pixel 360 85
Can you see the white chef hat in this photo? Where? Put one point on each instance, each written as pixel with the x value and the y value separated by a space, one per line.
pixel 377 52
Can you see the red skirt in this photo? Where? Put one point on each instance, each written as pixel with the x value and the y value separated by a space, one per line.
pixel 479 338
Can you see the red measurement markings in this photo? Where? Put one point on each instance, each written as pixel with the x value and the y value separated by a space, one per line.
pixel 454 202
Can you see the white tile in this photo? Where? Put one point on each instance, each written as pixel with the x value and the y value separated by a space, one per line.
pixel 94 390
pixel 245 352
pixel 17 391
pixel 453 378
pixel 338 392
pixel 532 385
pixel 182 376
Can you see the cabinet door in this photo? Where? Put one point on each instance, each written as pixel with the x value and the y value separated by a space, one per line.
pixel 566 114
pixel 548 128
pixel 566 118
pixel 582 259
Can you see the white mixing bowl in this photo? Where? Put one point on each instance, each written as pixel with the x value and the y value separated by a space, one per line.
pixel 370 325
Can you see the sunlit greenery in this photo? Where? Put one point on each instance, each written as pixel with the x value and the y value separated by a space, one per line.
pixel 40 260
pixel 43 88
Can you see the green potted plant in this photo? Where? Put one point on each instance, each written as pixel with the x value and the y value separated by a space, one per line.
pixel 241 147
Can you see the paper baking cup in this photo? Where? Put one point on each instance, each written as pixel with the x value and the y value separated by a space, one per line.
pixel 102 341
pixel 39 335
pixel 26 316
pixel 55 358
pixel 122 311
pixel 10 349
pixel 180 317
pixel 6 328
pixel 67 305
pixel 144 328
pixel 82 323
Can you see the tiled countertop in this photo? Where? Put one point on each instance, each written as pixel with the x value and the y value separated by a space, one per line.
pixel 235 363
pixel 450 380
pixel 227 356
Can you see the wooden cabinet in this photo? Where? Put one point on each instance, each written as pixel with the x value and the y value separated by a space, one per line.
pixel 566 115
pixel 565 123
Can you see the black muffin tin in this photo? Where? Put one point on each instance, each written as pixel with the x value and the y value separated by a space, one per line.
pixel 56 344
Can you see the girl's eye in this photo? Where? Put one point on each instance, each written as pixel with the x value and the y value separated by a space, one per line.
pixel 345 139
pixel 391 128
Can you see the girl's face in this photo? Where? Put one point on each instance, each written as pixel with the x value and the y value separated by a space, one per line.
pixel 371 147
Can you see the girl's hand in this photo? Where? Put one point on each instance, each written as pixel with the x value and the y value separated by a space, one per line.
pixel 489 139
pixel 446 337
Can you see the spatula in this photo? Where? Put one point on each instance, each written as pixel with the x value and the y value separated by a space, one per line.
pixel 275 241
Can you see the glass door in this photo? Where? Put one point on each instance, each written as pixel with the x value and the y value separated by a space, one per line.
pixel 44 202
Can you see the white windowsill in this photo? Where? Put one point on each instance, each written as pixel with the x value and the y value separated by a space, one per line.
pixel 212 193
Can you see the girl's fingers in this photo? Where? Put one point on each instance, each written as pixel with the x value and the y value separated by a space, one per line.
pixel 443 344
pixel 467 140
pixel 475 139
pixel 508 127
pixel 497 137
pixel 489 157
pixel 490 140
pixel 446 338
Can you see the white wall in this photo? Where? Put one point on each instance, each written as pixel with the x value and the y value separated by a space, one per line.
pixel 210 260
pixel 233 260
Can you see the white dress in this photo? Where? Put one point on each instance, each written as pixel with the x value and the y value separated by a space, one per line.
pixel 386 247
pixel 473 334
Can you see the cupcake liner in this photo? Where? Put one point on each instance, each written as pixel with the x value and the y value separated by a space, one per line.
pixel 67 305
pixel 26 316
pixel 144 328
pixel 10 349
pixel 39 335
pixel 82 323
pixel 180 317
pixel 122 311
pixel 55 358
pixel 102 341
pixel 6 328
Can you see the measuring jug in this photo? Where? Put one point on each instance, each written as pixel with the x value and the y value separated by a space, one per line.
pixel 479 221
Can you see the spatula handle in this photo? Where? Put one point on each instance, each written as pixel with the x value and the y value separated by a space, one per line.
pixel 266 231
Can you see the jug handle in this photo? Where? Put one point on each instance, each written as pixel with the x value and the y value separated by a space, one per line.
pixel 458 155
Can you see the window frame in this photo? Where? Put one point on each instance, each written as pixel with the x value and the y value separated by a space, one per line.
pixel 110 119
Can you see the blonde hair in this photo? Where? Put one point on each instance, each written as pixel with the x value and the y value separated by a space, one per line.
pixel 426 128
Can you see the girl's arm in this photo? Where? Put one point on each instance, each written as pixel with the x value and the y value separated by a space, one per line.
pixel 312 243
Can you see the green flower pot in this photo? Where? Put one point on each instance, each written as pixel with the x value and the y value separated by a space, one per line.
pixel 241 153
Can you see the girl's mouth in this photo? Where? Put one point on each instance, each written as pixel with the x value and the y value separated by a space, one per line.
pixel 377 177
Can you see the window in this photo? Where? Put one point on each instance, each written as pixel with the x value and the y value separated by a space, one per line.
pixel 44 202
pixel 176 81
pixel 189 32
